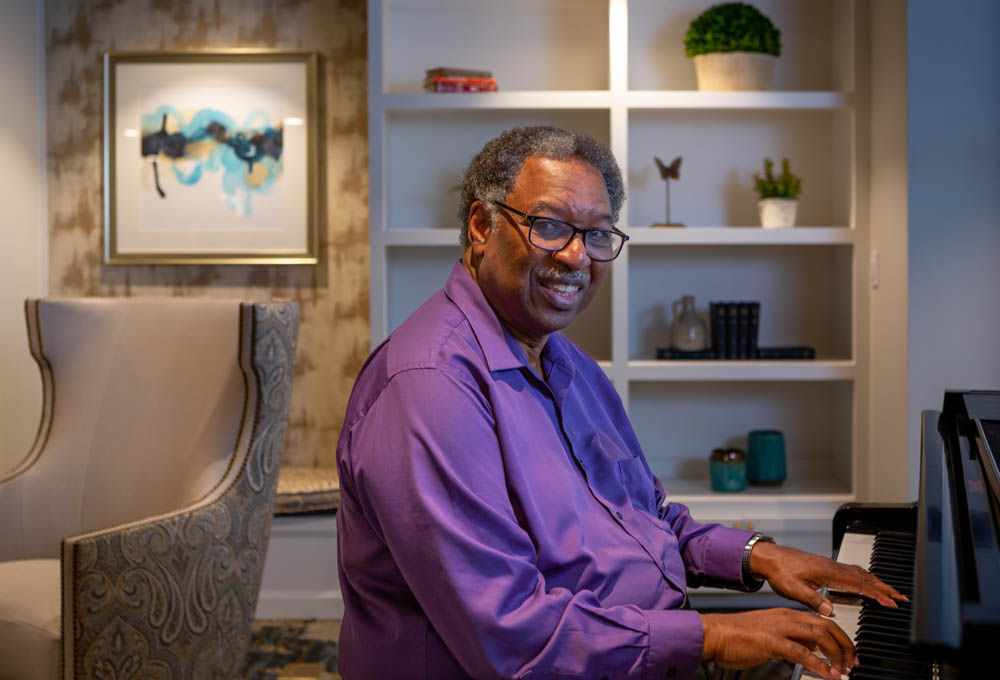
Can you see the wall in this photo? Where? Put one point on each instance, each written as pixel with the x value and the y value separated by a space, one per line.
pixel 22 236
pixel 953 109
pixel 334 336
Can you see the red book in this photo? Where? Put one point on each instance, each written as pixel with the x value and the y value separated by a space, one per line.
pixel 459 84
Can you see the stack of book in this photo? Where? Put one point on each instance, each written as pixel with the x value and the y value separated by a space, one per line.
pixel 447 79
pixel 733 327
pixel 733 330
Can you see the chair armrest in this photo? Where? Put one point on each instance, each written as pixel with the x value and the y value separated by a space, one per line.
pixel 183 586
pixel 170 594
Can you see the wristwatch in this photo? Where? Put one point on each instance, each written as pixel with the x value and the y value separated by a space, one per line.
pixel 750 579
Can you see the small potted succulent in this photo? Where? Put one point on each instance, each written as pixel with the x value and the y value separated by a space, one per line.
pixel 779 195
pixel 734 47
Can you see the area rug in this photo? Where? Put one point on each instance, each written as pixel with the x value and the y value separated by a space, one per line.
pixel 293 649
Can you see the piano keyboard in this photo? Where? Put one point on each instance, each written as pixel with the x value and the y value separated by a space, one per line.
pixel 881 634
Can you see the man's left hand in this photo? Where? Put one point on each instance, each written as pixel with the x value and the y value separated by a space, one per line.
pixel 798 575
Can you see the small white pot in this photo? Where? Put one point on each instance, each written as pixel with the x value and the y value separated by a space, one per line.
pixel 735 70
pixel 776 213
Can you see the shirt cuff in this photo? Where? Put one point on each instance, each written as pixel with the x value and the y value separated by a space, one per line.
pixel 676 640
pixel 724 556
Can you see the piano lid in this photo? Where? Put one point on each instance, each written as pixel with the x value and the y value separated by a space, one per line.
pixel 957 574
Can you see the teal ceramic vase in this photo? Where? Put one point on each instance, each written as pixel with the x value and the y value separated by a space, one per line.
pixel 766 464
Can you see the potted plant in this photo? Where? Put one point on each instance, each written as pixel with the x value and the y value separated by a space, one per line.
pixel 779 196
pixel 734 47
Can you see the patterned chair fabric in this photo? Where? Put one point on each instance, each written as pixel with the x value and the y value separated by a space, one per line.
pixel 154 468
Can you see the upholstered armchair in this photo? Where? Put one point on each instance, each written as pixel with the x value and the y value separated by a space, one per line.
pixel 133 535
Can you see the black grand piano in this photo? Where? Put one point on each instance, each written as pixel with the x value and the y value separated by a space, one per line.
pixel 943 552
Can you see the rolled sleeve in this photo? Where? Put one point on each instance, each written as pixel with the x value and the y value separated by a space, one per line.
pixel 676 639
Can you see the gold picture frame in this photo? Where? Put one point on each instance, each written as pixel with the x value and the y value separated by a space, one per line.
pixel 211 157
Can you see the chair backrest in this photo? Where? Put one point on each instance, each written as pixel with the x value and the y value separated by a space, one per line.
pixel 143 407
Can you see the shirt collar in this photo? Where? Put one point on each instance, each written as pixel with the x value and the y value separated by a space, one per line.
pixel 499 346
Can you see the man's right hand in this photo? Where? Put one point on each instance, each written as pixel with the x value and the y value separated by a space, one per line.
pixel 752 638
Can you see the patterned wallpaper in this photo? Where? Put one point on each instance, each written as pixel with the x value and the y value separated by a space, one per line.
pixel 334 334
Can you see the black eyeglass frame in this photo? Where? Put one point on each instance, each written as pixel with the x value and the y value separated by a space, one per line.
pixel 531 226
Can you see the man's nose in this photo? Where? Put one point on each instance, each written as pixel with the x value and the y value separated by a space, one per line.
pixel 574 255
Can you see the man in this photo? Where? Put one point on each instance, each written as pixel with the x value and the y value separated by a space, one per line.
pixel 497 516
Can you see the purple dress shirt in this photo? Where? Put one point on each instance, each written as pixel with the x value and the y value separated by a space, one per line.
pixel 498 524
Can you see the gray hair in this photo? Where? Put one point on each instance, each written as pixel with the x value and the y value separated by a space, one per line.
pixel 492 173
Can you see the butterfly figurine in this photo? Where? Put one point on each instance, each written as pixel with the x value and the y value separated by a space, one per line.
pixel 672 171
pixel 667 173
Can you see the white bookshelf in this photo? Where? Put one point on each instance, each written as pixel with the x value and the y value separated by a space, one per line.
pixel 616 69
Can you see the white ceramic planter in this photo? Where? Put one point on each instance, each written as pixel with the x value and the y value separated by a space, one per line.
pixel 776 213
pixel 735 71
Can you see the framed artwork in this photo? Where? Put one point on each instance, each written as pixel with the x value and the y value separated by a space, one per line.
pixel 211 157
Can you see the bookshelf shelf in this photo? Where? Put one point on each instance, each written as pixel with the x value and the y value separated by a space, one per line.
pixel 816 369
pixel 698 490
pixel 640 236
pixel 582 99
pixel 680 99
pixel 418 237
pixel 423 101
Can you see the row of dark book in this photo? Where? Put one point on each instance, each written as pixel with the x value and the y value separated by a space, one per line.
pixel 447 79
pixel 733 331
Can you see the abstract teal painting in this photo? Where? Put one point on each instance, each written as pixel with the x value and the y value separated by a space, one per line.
pixel 246 155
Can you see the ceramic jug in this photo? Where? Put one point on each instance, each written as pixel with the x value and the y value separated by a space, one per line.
pixel 688 331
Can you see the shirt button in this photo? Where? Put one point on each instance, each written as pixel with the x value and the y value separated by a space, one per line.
pixel 671 672
pixel 619 515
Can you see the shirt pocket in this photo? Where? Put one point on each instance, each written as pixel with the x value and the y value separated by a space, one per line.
pixel 637 482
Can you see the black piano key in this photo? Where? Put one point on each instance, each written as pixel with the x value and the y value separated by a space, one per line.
pixel 891 646
pixel 883 612
pixel 875 659
pixel 884 629
pixel 860 673
pixel 874 641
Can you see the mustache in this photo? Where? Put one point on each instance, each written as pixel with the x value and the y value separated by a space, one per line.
pixel 579 278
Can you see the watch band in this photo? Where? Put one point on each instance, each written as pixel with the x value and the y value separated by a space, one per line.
pixel 750 579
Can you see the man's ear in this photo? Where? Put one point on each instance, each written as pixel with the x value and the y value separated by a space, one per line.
pixel 480 226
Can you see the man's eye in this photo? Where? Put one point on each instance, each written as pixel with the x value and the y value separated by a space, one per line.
pixel 546 229
pixel 599 238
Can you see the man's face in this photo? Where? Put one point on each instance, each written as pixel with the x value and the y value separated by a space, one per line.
pixel 537 292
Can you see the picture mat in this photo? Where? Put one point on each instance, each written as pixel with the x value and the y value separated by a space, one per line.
pixel 199 220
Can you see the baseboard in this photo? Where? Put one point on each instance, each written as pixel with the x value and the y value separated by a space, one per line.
pixel 300 571
pixel 300 604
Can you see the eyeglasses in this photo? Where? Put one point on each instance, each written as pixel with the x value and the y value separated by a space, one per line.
pixel 553 235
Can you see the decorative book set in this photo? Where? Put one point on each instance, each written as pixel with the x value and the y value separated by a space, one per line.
pixel 733 331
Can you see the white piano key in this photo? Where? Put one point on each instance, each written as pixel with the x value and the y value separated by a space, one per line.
pixel 856 549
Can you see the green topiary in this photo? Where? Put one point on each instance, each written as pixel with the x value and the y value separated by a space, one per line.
pixel 732 27
pixel 785 185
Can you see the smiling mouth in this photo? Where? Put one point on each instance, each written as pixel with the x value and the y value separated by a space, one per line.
pixel 560 294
